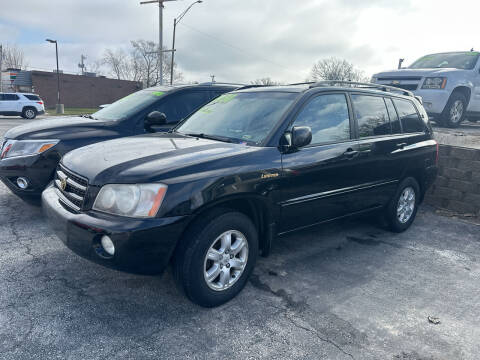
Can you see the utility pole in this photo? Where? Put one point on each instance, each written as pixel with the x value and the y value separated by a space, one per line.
pixel 59 108
pixel 160 34
pixel 175 22
pixel 213 78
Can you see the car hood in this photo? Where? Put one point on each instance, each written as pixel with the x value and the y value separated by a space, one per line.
pixel 55 128
pixel 415 72
pixel 149 158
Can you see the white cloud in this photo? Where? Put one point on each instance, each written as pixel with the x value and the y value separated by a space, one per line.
pixel 277 38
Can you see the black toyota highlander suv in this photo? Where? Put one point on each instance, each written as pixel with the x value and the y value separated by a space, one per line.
pixel 247 167
pixel 30 153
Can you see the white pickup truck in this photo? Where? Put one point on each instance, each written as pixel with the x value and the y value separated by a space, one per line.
pixel 449 84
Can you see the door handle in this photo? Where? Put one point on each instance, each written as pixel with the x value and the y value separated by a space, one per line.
pixel 350 153
pixel 401 145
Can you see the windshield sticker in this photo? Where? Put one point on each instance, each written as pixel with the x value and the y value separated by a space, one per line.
pixel 158 93
pixel 206 110
pixel 225 99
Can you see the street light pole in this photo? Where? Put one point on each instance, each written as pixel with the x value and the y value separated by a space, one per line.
pixel 59 108
pixel 160 34
pixel 175 22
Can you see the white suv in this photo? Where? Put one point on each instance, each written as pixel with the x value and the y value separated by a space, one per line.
pixel 449 84
pixel 25 105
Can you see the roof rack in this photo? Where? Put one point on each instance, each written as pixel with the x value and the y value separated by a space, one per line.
pixel 360 85
pixel 220 83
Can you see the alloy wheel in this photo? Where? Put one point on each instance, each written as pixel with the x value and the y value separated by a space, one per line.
pixel 225 260
pixel 456 111
pixel 406 205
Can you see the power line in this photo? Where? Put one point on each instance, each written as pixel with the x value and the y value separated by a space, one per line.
pixel 246 52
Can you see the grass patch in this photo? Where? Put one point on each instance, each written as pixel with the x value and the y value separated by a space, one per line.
pixel 72 111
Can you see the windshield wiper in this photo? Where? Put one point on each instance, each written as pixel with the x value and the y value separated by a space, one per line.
pixel 211 137
pixel 88 116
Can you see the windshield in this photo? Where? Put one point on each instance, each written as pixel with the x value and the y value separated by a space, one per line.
pixel 461 60
pixel 243 117
pixel 128 105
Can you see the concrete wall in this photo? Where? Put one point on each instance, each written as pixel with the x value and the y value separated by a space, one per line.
pixel 80 91
pixel 457 187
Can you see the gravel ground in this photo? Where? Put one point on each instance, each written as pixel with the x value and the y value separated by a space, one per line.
pixel 347 290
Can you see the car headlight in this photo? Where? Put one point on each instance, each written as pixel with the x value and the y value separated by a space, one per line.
pixel 136 200
pixel 434 83
pixel 13 148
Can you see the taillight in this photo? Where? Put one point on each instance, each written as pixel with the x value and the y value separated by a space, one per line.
pixel 5 151
pixel 436 156
pixel 40 102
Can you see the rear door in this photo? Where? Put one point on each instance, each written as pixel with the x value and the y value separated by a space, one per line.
pixel 380 170
pixel 319 178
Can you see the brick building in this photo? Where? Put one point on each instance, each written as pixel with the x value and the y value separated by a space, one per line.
pixel 76 91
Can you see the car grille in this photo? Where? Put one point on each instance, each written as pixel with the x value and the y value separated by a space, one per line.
pixel 403 82
pixel 72 188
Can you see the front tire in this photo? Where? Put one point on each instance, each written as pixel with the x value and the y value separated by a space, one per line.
pixel 402 209
pixel 455 110
pixel 29 113
pixel 216 257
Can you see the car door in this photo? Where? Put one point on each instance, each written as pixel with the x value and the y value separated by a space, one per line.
pixel 474 104
pixel 11 103
pixel 380 168
pixel 319 179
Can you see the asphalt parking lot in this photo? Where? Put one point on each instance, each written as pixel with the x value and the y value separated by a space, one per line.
pixel 347 290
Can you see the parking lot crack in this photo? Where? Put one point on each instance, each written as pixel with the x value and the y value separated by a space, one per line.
pixel 317 335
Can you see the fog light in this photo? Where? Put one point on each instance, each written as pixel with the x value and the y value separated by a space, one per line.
pixel 22 183
pixel 107 245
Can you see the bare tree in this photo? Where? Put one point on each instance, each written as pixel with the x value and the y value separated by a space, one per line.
pixel 140 64
pixel 336 69
pixel 265 81
pixel 13 57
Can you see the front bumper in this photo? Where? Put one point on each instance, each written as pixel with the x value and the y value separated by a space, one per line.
pixel 434 101
pixel 38 169
pixel 142 246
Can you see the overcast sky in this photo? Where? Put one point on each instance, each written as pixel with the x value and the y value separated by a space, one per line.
pixel 241 40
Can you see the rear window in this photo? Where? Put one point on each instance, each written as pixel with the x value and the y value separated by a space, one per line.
pixel 33 97
pixel 371 114
pixel 408 114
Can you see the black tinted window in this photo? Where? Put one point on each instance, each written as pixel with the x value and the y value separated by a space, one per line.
pixel 327 116
pixel 371 114
pixel 394 120
pixel 411 122
pixel 32 97
pixel 10 97
pixel 177 106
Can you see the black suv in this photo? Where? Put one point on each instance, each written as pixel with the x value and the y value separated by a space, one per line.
pixel 247 167
pixel 30 153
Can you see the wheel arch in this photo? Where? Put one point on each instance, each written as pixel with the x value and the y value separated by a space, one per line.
pixel 464 90
pixel 257 208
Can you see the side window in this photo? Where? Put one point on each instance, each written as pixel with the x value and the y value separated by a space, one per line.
pixel 411 122
pixel 327 116
pixel 394 120
pixel 190 101
pixel 10 97
pixel 167 106
pixel 371 114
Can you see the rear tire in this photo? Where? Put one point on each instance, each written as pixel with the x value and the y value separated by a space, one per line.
pixel 455 110
pixel 29 113
pixel 402 209
pixel 210 268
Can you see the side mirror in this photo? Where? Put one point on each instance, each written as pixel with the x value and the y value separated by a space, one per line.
pixel 301 136
pixel 155 118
